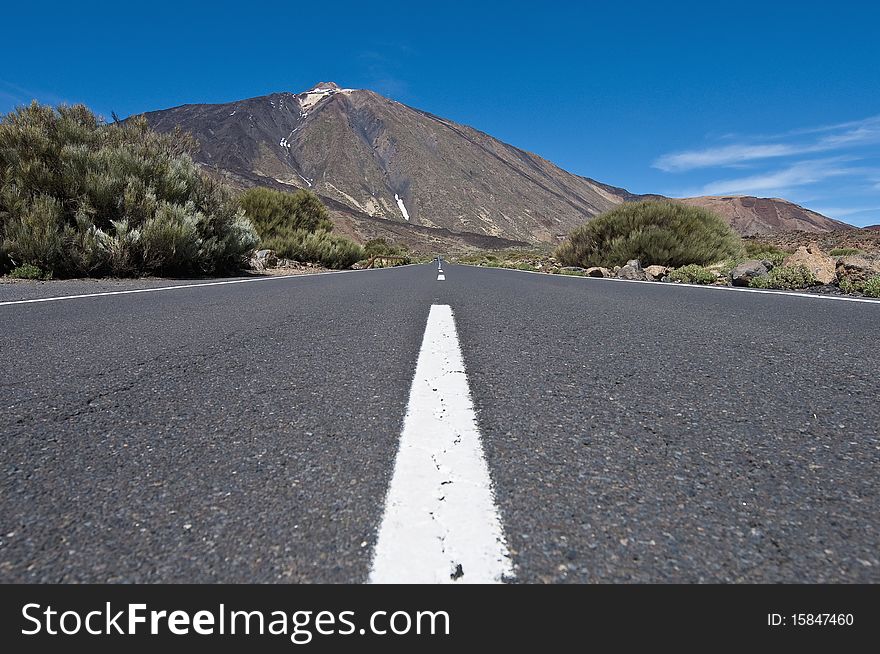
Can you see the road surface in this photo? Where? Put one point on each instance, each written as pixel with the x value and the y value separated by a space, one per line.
pixel 614 432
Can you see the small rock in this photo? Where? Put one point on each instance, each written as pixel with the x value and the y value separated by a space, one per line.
pixel 747 271
pixel 656 273
pixel 572 268
pixel 264 259
pixel 855 268
pixel 632 270
pixel 817 262
pixel 598 271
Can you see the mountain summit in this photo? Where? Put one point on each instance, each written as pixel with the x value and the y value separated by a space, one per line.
pixel 373 158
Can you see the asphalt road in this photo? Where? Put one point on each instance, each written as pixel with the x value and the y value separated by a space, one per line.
pixel 247 432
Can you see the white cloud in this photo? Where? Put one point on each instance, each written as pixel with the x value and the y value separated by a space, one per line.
pixel 780 181
pixel 844 135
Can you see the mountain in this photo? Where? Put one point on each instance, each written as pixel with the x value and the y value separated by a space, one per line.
pixel 751 216
pixel 384 167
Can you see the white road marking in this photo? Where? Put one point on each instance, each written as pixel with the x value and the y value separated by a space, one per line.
pixel 705 287
pixel 179 286
pixel 441 277
pixel 440 524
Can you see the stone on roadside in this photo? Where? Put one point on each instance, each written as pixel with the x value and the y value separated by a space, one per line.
pixel 598 271
pixel 817 262
pixel 656 273
pixel 632 270
pixel 747 271
pixel 857 268
pixel 264 259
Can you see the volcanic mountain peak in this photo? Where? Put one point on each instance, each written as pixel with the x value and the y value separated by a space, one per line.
pixel 322 91
pixel 373 158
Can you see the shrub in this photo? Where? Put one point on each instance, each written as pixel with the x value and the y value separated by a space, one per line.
pixel 28 271
pixel 869 287
pixel 692 274
pixel 843 252
pixel 786 278
pixel 80 197
pixel 297 226
pixel 664 233
pixel 321 247
pixel 379 247
pixel 277 213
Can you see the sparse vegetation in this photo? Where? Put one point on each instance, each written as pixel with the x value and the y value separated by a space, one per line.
pixel 868 288
pixel 662 233
pixel 79 197
pixel 785 278
pixel 692 274
pixel 297 226
pixel 505 258
pixel 843 252
pixel 28 271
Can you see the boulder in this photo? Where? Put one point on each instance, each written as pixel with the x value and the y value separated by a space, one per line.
pixel 856 268
pixel 598 271
pixel 632 270
pixel 747 271
pixel 817 262
pixel 656 273
pixel 264 259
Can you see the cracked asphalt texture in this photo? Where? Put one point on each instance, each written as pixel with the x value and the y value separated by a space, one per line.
pixel 246 433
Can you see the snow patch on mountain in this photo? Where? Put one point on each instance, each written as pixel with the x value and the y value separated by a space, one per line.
pixel 402 207
pixel 310 98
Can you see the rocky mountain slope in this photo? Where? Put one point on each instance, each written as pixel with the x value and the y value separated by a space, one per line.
pixel 751 216
pixel 373 158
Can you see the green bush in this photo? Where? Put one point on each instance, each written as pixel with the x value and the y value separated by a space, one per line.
pixel 320 247
pixel 80 197
pixel 843 252
pixel 28 271
pixel 692 274
pixel 379 247
pixel 785 278
pixel 869 287
pixel 277 213
pixel 662 233
pixel 297 226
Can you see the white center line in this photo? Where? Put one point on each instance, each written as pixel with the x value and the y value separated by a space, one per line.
pixel 441 277
pixel 440 524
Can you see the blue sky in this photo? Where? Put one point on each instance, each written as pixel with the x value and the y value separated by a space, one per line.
pixel 770 99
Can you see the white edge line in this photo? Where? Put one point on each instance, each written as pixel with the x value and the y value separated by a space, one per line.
pixel 173 288
pixel 705 287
